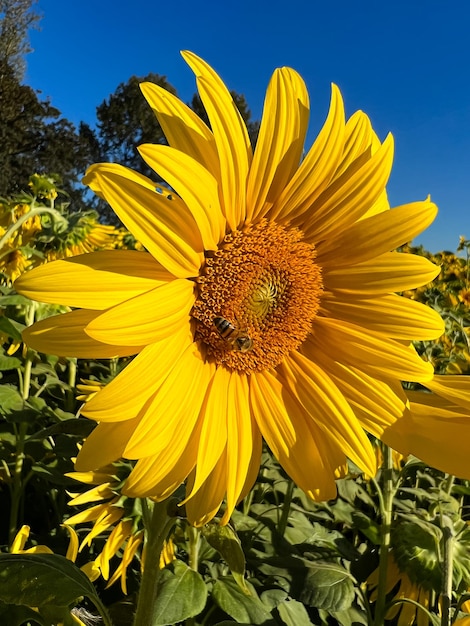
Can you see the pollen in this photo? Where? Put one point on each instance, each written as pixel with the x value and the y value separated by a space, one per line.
pixel 258 295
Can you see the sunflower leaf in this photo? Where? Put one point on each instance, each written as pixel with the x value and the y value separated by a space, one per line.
pixel 41 579
pixel 18 615
pixel 181 594
pixel 328 586
pixel 225 540
pixel 243 608
pixel 293 613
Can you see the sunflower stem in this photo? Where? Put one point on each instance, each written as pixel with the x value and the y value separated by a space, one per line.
pixel 282 525
pixel 26 216
pixel 388 492
pixel 446 597
pixel 193 550
pixel 18 484
pixel 155 534
pixel 72 379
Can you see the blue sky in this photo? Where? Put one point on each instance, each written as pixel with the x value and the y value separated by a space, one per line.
pixel 406 63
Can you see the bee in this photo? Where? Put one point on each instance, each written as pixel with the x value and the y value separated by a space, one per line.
pixel 238 338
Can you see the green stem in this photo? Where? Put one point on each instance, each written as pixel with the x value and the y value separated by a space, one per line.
pixel 193 548
pixel 282 525
pixel 26 216
pixel 446 593
pixel 156 533
pixel 72 379
pixel 17 483
pixel 388 491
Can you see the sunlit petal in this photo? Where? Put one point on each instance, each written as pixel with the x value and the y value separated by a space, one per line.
pixel 97 280
pixel 155 314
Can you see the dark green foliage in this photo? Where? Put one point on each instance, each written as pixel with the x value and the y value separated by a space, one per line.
pixel 36 139
pixel 16 18
pixel 126 121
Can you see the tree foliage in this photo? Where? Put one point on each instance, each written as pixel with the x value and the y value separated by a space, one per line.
pixel 17 17
pixel 36 139
pixel 126 121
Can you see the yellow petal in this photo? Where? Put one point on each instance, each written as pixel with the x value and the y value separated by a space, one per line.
pixel 327 406
pixel 125 396
pixel 391 315
pixel 367 351
pixel 97 280
pixel 310 458
pixel 92 495
pixel 432 435
pixel 358 138
pixel 117 537
pixel 158 219
pixel 234 154
pixel 377 404
pixel 268 408
pixel 158 476
pixel 20 539
pixel 205 503
pixel 280 141
pixel 392 271
pixel 375 235
pixel 231 137
pixel 72 549
pixel 147 318
pixel 105 444
pixel 349 196
pixel 90 514
pixel 183 129
pixel 255 460
pixel 65 335
pixel 239 441
pixel 213 439
pixel 194 184
pixel 317 168
pixel 455 389
pixel 171 416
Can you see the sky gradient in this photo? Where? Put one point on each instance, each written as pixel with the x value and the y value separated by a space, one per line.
pixel 406 63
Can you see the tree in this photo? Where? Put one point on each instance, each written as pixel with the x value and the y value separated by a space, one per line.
pixel 17 17
pixel 34 138
pixel 126 121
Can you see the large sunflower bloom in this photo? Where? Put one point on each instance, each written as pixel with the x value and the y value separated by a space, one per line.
pixel 263 307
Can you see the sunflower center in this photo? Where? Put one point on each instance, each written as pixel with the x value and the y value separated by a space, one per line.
pixel 258 295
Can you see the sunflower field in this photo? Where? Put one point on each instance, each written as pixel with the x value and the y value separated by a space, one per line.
pixel 278 375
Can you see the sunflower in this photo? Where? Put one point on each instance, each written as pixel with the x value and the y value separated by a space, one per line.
pixel 404 589
pixel 262 308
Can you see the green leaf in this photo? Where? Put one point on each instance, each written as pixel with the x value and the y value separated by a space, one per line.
pixel 245 609
pixel 19 615
pixel 15 300
pixel 9 362
pixel 75 426
pixel 328 586
pixel 41 579
pixel 225 540
pixel 10 399
pixel 294 613
pixel 351 617
pixel 181 594
pixel 10 328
